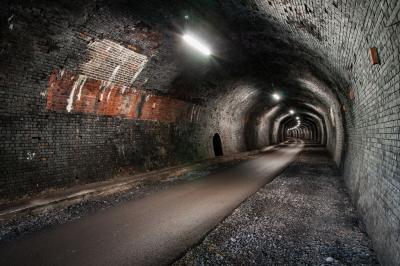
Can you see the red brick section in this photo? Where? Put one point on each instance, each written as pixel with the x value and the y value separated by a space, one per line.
pixel 97 97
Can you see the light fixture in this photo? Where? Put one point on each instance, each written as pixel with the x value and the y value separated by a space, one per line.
pixel 298 118
pixel 276 96
pixel 291 112
pixel 195 43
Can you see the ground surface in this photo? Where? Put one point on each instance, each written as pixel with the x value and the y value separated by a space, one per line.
pixel 154 229
pixel 303 217
pixel 18 226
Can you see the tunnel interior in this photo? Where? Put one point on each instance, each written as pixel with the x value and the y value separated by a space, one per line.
pixel 90 89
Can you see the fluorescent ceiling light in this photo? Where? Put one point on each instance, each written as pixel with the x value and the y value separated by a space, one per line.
pixel 276 96
pixel 195 43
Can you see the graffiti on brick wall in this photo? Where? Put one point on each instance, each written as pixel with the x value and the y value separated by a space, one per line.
pixel 77 93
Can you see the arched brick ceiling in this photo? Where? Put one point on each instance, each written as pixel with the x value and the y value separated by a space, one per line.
pixel 315 53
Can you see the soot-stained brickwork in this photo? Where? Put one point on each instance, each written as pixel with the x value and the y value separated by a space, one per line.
pixel 343 33
pixel 72 109
pixel 141 98
pixel 52 150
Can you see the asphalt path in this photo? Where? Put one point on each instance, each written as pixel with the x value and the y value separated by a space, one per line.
pixel 156 229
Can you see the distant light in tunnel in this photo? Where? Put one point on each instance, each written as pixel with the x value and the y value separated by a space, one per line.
pixel 291 112
pixel 276 96
pixel 296 126
pixel 195 43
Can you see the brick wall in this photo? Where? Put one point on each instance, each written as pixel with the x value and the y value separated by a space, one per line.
pixel 342 33
pixel 54 149
pixel 72 107
pixel 116 112
pixel 83 97
pixel 77 93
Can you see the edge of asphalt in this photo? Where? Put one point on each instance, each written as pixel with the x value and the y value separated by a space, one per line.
pixel 68 196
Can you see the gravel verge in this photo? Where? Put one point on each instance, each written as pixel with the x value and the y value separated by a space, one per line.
pixel 303 217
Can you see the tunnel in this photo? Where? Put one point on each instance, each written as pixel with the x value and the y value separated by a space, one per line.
pixel 102 100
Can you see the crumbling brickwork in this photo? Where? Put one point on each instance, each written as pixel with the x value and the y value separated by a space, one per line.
pixel 69 92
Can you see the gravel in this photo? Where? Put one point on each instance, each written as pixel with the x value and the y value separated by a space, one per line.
pixel 303 217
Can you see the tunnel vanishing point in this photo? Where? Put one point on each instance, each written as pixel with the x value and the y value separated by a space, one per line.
pixel 95 91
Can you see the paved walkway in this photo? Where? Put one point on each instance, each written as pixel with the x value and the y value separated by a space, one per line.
pixel 155 229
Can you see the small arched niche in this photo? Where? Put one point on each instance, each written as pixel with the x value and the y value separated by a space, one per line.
pixel 217 144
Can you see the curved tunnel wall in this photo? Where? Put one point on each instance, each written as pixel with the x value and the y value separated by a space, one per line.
pixel 63 121
pixel 307 130
pixel 121 121
pixel 318 124
pixel 367 100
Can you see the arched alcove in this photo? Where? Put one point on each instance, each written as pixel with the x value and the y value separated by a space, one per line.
pixel 217 145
